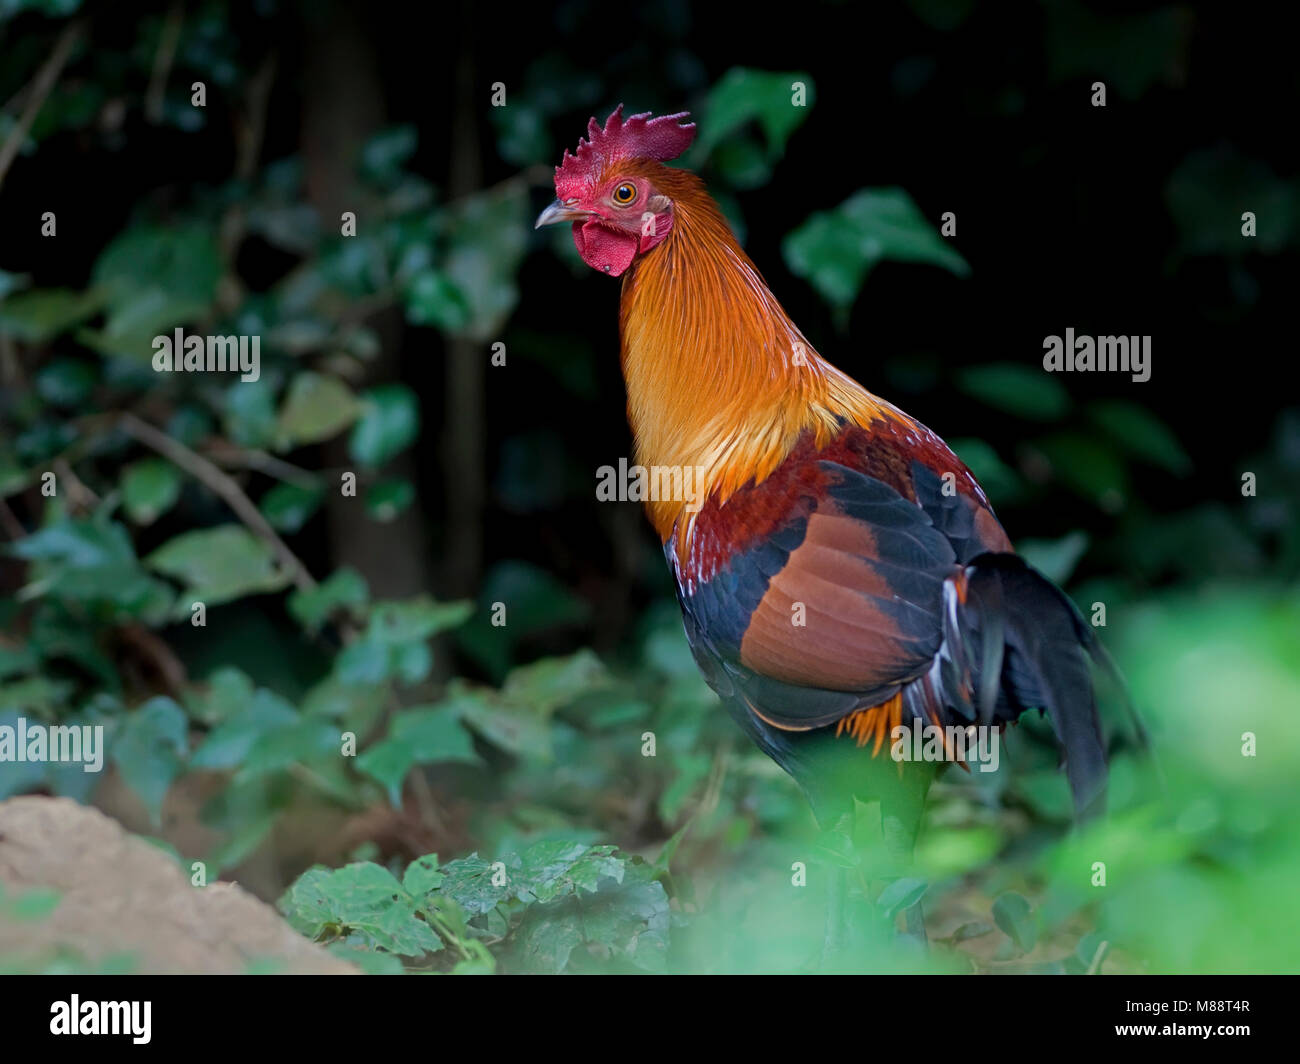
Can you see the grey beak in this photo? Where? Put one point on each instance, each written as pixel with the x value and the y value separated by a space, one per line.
pixel 558 212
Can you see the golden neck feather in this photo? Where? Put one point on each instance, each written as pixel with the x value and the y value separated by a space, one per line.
pixel 719 379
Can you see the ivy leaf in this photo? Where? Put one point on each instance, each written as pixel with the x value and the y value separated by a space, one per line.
pixel 901 894
pixel 422 876
pixel 312 607
pixel 290 506
pixel 149 749
pixel 362 902
pixel 92 561
pixel 1014 917
pixel 743 95
pixel 389 423
pixel 316 407
pixel 388 499
pixel 150 488
pixel 628 920
pixel 229 744
pixel 416 618
pixel 432 298
pixel 1055 558
pixel 66 382
pixel 39 316
pixel 473 885
pixel 1141 433
pixel 218 565
pixel 422 735
pixel 552 682
pixel 487 236
pixel 1025 391
pixel 835 250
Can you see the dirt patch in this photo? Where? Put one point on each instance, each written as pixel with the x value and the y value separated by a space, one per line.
pixel 120 896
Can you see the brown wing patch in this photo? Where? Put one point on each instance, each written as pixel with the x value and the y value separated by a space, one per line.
pixel 851 638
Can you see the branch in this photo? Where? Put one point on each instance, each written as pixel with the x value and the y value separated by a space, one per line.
pixel 223 486
pixel 162 63
pixel 232 457
pixel 42 85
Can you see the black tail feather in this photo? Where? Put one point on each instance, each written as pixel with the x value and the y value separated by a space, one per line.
pixel 1045 664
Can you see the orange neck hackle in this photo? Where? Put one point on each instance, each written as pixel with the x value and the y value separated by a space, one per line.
pixel 719 379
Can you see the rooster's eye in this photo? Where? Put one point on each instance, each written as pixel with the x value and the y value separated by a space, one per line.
pixel 624 194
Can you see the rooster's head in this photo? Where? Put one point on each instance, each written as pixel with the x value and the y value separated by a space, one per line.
pixel 607 188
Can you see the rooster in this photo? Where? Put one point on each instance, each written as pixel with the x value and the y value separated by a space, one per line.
pixel 840 571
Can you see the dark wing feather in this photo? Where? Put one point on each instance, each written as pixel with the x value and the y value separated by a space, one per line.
pixel 835 607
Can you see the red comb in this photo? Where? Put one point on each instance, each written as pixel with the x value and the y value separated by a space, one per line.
pixel 640 137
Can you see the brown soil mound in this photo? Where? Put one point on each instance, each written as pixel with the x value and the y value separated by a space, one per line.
pixel 119 895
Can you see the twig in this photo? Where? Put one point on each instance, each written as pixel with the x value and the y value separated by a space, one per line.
pixel 259 461
pixel 1097 958
pixel 222 485
pixel 162 63
pixel 42 85
pixel 78 494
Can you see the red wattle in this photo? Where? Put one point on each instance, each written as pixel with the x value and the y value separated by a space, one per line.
pixel 603 248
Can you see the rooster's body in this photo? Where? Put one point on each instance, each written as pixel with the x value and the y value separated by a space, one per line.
pixel 840 572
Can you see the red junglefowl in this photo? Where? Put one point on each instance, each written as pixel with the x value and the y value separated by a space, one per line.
pixel 840 571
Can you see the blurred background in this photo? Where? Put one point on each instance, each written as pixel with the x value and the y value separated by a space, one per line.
pixel 192 164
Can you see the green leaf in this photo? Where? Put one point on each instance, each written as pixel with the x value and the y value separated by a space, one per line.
pixel 388 499
pixel 66 382
pixel 316 408
pixel 16 282
pixel 628 920
pixel 387 152
pixel 389 423
pixel 487 235
pixel 1025 391
pixel 92 561
pixel 228 745
pixel 422 735
pixel 1055 558
pixel 835 250
pixel 552 682
pixel 422 876
pixel 470 883
pixel 1002 483
pixel 39 316
pixel 296 742
pixel 181 261
pixel 290 506
pixel 835 847
pixel 515 729
pixel 535 601
pixel 743 95
pixel 552 868
pixel 218 565
pixel 1141 433
pixel 901 894
pixel 248 413
pixel 1090 467
pixel 432 298
pixel 363 903
pixel 415 618
pixel 150 488
pixel 149 749
pixel 313 607
pixel 1015 917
